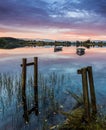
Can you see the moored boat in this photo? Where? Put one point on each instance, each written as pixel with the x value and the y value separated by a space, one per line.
pixel 80 51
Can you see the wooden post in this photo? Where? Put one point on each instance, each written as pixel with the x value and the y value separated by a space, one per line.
pixel 23 89
pixel 85 94
pixel 87 73
pixel 92 91
pixel 36 84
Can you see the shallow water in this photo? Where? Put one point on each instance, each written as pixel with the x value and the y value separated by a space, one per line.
pixel 11 112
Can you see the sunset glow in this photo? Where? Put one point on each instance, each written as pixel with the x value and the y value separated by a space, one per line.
pixel 53 19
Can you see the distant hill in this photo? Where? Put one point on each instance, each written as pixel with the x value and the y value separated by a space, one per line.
pixel 9 43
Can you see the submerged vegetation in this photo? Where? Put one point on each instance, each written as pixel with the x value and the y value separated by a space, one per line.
pixel 52 101
pixel 49 102
pixel 9 43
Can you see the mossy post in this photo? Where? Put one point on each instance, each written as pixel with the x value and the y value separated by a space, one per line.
pixel 36 84
pixel 92 91
pixel 24 61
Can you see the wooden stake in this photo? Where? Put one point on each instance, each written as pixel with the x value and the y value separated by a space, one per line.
pixel 85 94
pixel 23 90
pixel 36 84
pixel 92 91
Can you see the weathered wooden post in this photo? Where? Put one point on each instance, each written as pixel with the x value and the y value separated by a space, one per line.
pixel 36 84
pixel 83 71
pixel 35 108
pixel 24 61
pixel 92 91
pixel 87 74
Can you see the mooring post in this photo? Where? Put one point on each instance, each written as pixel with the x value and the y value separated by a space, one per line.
pixel 92 91
pixel 87 75
pixel 36 84
pixel 23 89
pixel 86 94
pixel 83 71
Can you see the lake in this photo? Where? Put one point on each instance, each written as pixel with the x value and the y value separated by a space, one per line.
pixel 57 76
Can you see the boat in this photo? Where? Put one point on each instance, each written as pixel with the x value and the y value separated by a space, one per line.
pixel 80 51
pixel 58 48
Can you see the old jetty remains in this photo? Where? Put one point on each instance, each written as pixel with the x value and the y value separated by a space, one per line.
pixel 89 97
pixel 24 98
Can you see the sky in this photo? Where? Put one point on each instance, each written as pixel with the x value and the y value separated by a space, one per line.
pixel 68 20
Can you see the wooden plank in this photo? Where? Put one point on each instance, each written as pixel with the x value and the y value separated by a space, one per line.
pixel 86 94
pixel 28 64
pixel 79 71
pixel 92 91
pixel 36 84
pixel 24 89
pixel 31 110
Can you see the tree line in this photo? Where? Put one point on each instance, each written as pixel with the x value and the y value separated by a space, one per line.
pixel 10 43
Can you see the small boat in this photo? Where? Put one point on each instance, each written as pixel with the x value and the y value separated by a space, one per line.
pixel 80 51
pixel 58 48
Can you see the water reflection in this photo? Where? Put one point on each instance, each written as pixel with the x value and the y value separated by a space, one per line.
pixel 53 98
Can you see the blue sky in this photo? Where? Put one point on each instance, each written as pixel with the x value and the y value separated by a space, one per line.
pixel 53 19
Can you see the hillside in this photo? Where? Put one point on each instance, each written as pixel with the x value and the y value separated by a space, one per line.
pixel 9 43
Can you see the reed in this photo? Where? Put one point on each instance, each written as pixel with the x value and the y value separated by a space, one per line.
pixel 49 102
pixel 75 118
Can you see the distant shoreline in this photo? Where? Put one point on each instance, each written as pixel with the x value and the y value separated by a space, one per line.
pixel 10 43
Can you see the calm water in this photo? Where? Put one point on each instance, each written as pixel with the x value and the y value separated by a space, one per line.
pixel 11 110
